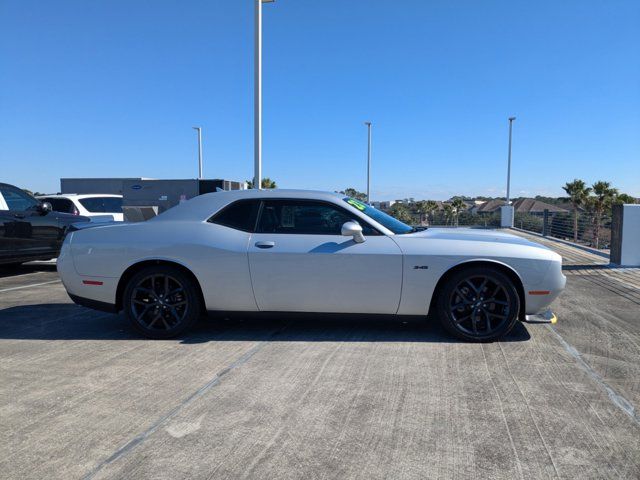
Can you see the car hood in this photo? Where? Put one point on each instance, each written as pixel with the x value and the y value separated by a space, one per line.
pixel 68 217
pixel 472 235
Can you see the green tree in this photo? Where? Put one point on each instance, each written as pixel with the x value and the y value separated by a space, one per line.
pixel 401 212
pixel 266 183
pixel 421 209
pixel 353 193
pixel 457 206
pixel 623 198
pixel 604 196
pixel 578 194
pixel 448 212
pixel 431 207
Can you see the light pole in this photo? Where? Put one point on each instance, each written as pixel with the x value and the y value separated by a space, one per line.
pixel 506 211
pixel 257 97
pixel 199 129
pixel 511 119
pixel 368 124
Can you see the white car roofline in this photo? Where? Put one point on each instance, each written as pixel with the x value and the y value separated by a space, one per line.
pixel 202 207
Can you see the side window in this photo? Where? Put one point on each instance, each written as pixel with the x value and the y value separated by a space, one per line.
pixel 16 199
pixel 102 204
pixel 61 205
pixel 305 217
pixel 240 215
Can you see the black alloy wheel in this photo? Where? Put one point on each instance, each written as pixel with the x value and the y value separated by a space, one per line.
pixel 161 302
pixel 478 304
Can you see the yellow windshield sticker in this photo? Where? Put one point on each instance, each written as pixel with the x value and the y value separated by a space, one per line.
pixel 355 203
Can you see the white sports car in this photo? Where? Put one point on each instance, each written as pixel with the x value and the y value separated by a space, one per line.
pixel 303 251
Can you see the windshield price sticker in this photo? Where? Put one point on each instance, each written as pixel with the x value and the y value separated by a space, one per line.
pixel 355 203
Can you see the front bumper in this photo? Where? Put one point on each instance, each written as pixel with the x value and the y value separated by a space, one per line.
pixel 544 317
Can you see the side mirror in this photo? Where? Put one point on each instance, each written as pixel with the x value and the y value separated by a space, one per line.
pixel 353 229
pixel 44 208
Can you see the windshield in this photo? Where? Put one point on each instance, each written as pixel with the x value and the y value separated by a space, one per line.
pixel 393 224
pixel 17 199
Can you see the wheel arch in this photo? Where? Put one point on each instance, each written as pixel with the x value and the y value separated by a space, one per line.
pixel 502 267
pixel 136 267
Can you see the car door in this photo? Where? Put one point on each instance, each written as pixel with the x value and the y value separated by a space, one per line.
pixel 25 227
pixel 7 243
pixel 300 262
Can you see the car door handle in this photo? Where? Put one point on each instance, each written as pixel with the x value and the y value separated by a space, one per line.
pixel 265 244
pixel 19 215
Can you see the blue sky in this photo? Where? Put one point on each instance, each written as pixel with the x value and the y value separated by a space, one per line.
pixel 112 88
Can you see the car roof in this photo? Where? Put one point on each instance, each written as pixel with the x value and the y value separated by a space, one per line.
pixel 203 206
pixel 80 195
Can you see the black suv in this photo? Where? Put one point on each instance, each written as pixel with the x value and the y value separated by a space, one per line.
pixel 29 229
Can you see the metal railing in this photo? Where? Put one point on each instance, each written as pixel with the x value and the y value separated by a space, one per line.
pixel 462 219
pixel 587 231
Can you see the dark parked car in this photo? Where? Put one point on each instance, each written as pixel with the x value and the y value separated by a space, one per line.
pixel 29 229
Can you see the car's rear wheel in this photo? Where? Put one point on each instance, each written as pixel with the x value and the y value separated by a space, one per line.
pixel 478 304
pixel 161 301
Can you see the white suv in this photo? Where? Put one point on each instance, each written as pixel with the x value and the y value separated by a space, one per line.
pixel 99 207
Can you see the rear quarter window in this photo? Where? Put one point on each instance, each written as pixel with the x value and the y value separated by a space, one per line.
pixel 102 204
pixel 240 215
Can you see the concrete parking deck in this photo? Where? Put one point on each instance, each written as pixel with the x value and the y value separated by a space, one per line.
pixel 82 396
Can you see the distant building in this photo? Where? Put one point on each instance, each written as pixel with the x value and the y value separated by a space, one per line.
pixel 488 207
pixel 531 205
pixel 383 205
pixel 522 205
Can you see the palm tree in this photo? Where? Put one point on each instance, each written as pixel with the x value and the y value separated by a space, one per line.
pixel 604 197
pixel 401 212
pixel 578 193
pixel 266 183
pixel 448 212
pixel 421 209
pixel 457 206
pixel 430 207
pixel 623 198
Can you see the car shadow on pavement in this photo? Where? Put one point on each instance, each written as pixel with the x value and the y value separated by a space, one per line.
pixel 14 271
pixel 65 321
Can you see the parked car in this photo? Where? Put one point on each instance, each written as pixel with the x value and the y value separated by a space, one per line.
pixel 29 229
pixel 301 251
pixel 96 206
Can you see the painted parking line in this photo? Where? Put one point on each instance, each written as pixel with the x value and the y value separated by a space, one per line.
pixel 29 286
pixel 618 400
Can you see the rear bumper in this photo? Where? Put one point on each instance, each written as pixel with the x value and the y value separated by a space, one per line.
pixel 94 304
pixel 91 289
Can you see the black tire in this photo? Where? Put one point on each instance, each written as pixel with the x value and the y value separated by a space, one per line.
pixel 161 302
pixel 478 304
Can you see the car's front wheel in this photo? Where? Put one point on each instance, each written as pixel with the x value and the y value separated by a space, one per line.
pixel 478 304
pixel 161 301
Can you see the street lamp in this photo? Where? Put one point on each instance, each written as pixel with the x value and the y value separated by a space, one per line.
pixel 506 217
pixel 257 99
pixel 368 124
pixel 511 119
pixel 199 129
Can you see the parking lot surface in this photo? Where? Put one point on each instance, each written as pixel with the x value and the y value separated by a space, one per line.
pixel 81 395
